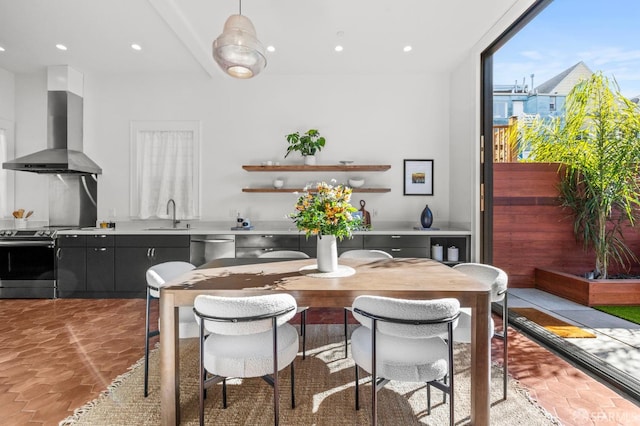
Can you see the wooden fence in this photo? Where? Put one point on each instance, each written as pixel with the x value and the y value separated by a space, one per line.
pixel 504 149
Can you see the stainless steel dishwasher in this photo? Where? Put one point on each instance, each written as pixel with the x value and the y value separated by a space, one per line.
pixel 213 246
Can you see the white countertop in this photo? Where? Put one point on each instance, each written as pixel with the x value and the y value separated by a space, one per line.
pixel 277 227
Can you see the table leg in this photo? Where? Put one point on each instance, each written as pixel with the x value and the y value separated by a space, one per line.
pixel 480 362
pixel 169 361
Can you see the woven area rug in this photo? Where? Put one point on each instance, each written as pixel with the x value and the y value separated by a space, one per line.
pixel 553 324
pixel 324 394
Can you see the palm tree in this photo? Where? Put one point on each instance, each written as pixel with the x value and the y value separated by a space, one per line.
pixel 597 142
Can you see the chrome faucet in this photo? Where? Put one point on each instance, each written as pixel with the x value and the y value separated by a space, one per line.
pixel 173 220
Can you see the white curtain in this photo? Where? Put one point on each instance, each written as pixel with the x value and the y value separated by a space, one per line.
pixel 165 171
pixel 4 176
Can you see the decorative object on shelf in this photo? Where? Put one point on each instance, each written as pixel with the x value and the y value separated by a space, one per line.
pixel 306 144
pixel 324 210
pixel 278 183
pixel 356 182
pixel 426 217
pixel 237 50
pixel 366 217
pixel 452 254
pixel 436 252
pixel 418 177
pixel 345 162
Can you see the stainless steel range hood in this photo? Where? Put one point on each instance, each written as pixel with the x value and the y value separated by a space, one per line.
pixel 64 129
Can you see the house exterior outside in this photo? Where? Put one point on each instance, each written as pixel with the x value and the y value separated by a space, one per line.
pixel 545 100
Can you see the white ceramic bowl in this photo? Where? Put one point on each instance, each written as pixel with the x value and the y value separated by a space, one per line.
pixel 356 182
pixel 278 183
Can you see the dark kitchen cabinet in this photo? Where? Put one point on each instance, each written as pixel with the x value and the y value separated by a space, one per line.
pixel 100 264
pixel 399 245
pixel 85 265
pixel 71 268
pixel 134 254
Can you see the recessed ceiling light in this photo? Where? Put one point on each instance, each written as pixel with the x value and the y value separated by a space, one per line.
pixel 339 48
pixel 136 46
pixel 61 46
pixel 407 49
pixel 271 49
pixel 1 49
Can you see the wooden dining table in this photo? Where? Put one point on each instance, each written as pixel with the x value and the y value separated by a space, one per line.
pixel 409 278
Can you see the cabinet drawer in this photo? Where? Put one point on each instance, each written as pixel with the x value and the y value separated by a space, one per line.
pixel 152 240
pixel 71 240
pixel 393 240
pixel 407 251
pixel 281 242
pixel 100 240
pixel 347 244
pixel 257 251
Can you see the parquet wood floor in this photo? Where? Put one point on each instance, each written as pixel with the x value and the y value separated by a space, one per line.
pixel 55 355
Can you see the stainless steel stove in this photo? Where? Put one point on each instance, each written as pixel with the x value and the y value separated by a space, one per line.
pixel 27 263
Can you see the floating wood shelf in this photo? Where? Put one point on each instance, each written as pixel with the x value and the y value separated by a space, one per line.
pixel 320 168
pixel 290 190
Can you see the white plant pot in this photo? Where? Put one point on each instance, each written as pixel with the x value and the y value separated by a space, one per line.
pixel 327 253
pixel 309 160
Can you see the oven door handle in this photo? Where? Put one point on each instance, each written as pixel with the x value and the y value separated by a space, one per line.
pixel 26 244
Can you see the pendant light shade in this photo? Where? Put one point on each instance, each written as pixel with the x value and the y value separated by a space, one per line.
pixel 237 50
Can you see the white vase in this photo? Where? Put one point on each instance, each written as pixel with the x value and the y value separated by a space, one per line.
pixel 327 253
pixel 309 160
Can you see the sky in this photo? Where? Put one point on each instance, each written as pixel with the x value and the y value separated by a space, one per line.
pixel 604 34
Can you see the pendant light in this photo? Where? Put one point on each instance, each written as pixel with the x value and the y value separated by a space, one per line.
pixel 237 50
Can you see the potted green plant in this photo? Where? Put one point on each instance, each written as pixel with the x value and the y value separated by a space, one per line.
pixel 597 142
pixel 306 144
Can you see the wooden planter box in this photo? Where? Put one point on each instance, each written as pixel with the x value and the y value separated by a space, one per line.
pixel 588 292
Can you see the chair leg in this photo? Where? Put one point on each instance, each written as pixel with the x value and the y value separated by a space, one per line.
pixel 357 388
pixel 276 384
pixel 346 340
pixel 303 330
pixel 505 347
pixel 224 393
pixel 293 394
pixel 202 373
pixel 444 394
pixel 428 399
pixel 146 346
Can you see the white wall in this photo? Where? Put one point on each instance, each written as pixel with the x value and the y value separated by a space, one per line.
pixel 373 119
pixel 7 116
pixel 7 95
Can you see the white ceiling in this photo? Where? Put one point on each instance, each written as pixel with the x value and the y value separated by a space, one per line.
pixel 176 35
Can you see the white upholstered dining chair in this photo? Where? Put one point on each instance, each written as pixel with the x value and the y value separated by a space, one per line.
pixel 157 276
pixel 400 339
pixel 302 310
pixel 498 280
pixel 247 337
pixel 358 254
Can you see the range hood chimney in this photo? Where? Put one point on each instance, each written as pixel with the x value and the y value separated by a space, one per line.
pixel 64 129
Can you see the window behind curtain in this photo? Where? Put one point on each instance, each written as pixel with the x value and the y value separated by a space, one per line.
pixel 165 166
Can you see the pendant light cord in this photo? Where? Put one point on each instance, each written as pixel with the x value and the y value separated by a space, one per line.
pixel 240 7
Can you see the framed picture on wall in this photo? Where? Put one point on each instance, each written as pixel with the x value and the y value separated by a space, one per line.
pixel 418 177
